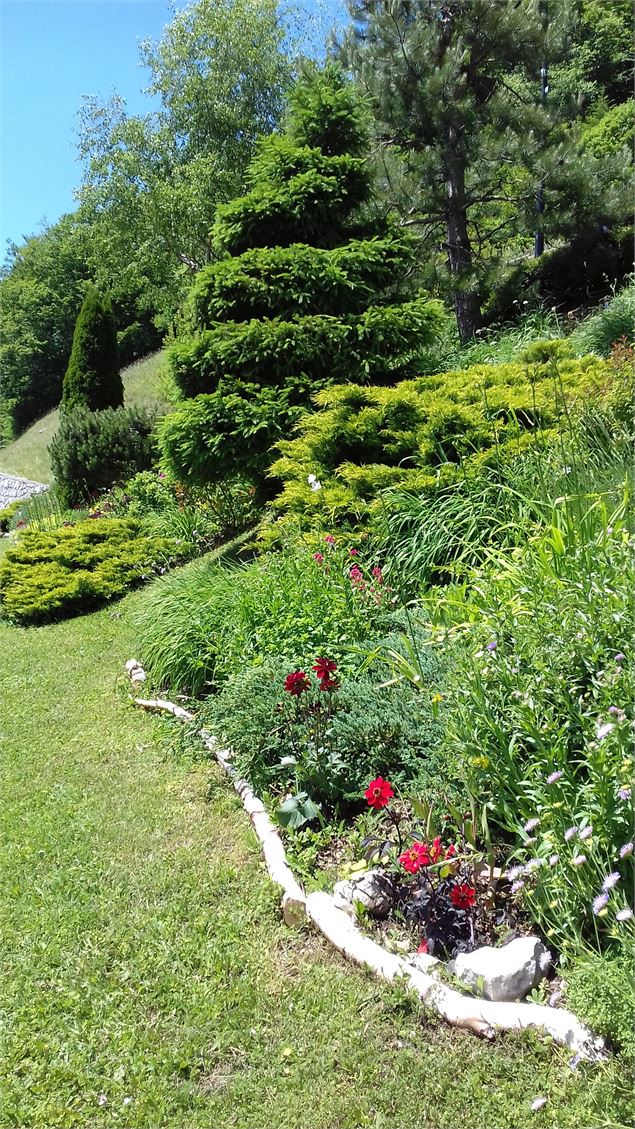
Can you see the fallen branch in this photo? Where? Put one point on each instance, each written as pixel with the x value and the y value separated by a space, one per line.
pixel 482 1017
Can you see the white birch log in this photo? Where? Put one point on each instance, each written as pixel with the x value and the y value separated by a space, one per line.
pixel 483 1017
pixel 480 1016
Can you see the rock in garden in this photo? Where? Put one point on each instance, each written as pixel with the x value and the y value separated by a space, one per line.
pixel 373 889
pixel 423 962
pixel 508 973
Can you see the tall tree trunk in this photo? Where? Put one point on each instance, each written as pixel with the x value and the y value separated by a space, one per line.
pixel 467 306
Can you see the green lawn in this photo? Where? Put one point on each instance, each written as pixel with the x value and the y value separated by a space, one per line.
pixel 28 456
pixel 146 979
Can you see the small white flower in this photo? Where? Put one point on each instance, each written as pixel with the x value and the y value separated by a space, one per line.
pixel 311 479
pixel 102 1100
pixel 538 1104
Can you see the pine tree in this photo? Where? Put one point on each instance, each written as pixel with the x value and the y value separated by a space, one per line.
pixel 456 91
pixel 306 292
pixel 92 378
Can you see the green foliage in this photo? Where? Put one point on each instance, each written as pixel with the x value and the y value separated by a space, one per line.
pixel 48 576
pixel 365 731
pixel 600 989
pixel 207 621
pixel 423 433
pixel 541 707
pixel 615 130
pixel 92 378
pixel 93 450
pixel 203 517
pixel 601 331
pixel 8 514
pixel 297 306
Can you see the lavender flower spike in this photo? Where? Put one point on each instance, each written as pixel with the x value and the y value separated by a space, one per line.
pixel 531 824
pixel 517 887
pixel 624 793
pixel 603 730
pixel 586 833
pixel 624 914
pixel 599 903
pixel 491 646
pixel 579 860
pixel 626 850
pixel 553 776
pixel 554 860
pixel 570 833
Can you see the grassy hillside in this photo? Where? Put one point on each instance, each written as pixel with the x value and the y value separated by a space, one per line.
pixel 28 455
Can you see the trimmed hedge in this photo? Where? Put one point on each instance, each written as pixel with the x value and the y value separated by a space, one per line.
pixel 48 576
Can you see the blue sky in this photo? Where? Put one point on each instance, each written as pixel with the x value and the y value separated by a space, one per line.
pixel 51 53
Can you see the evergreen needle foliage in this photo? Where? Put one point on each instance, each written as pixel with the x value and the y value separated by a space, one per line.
pixel 92 378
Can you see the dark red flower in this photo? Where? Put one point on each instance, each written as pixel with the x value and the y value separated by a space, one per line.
pixel 328 684
pixel 423 947
pixel 379 792
pixel 297 683
pixel 324 668
pixel 463 896
pixel 415 857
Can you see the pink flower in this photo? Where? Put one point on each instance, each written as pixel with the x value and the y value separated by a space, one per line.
pixel 318 557
pixel 377 573
pixel 353 552
pixel 329 539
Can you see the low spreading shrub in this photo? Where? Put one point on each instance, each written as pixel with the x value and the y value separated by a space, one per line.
pixel 50 575
pixel 318 741
pixel 422 434
pixel 208 621
pixel 93 450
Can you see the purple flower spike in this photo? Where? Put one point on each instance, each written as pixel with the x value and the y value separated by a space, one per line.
pixel 491 646
pixel 514 872
pixel 586 833
pixel 554 860
pixel 626 850
pixel 624 793
pixel 619 658
pixel 531 824
pixel 611 880
pixel 624 914
pixel 553 776
pixel 570 833
pixel 517 887
pixel 614 709
pixel 599 903
pixel 579 860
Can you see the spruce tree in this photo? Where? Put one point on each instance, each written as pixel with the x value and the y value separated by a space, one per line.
pixel 306 292
pixel 92 378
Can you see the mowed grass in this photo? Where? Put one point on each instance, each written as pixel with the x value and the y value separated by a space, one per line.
pixel 28 456
pixel 147 980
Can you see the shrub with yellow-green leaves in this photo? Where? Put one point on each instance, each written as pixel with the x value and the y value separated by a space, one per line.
pixel 51 575
pixel 421 433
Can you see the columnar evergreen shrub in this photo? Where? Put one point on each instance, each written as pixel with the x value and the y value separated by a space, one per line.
pixel 92 378
pixel 93 450
pixel 306 291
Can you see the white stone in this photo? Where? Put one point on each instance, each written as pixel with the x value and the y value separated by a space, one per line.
pixel 373 889
pixel 133 664
pixel 508 973
pixel 423 962
pixel 138 675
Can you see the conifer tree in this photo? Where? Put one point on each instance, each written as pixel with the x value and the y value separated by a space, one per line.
pixel 456 93
pixel 307 292
pixel 92 378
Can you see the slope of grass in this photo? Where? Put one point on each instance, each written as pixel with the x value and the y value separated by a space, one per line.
pixel 146 978
pixel 28 457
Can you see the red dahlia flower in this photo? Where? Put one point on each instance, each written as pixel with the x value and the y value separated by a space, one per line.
pixel 328 684
pixel 296 683
pixel 324 668
pixel 451 851
pixel 463 897
pixel 415 857
pixel 379 793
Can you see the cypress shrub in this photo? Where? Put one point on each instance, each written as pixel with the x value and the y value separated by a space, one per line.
pixel 92 378
pixel 307 290
pixel 93 450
